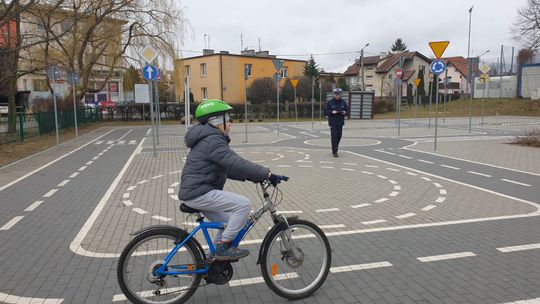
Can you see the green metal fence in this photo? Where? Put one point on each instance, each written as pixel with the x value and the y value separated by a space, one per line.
pixel 24 125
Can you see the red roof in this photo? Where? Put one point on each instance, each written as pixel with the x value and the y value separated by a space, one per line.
pixel 460 63
pixel 393 59
pixel 355 68
pixel 407 75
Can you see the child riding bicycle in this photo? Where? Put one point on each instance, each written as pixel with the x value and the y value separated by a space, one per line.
pixel 208 165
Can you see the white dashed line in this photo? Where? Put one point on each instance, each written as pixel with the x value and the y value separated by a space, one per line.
pixel 139 211
pixel 257 280
pixel 406 215
pixel 373 222
pixel 372 166
pixel 325 162
pixel 411 173
pixel 428 207
pixel 440 199
pixel 392 169
pixel 63 183
pixel 360 206
pixel 426 178
pixel 125 195
pixel 332 226
pixel 33 206
pixel 290 212
pixel 142 182
pixel 404 156
pixel 385 152
pixel 478 173
pixel 99 142
pixel 74 175
pixel 381 200
pixel 170 191
pixel 50 193
pixel 393 193
pixel 442 191
pixel 450 167
pixel 83 168
pixel 131 188
pixel 327 167
pixel 128 203
pixel 519 248
pixel 132 142
pixel 347 169
pixel 327 210
pixel 514 182
pixel 382 176
pixel 437 185
pixel 284 166
pixel 426 161
pixel 352 164
pixel 367 172
pixel 391 181
pixel 446 256
pixel 95 157
pixel 89 162
pixel 397 187
pixel 11 223
pixel 157 176
pixel 359 267
pixel 161 218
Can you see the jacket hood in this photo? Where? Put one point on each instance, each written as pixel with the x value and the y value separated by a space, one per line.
pixel 198 132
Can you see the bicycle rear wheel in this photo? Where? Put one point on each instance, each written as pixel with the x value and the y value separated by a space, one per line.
pixel 296 278
pixel 145 253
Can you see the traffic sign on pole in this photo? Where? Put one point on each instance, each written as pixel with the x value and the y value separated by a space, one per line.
pixel 437 66
pixel 399 73
pixel 150 72
pixel 294 82
pixel 438 47
pixel 484 78
pixel 484 68
pixel 278 64
pixel 417 82
pixel 149 54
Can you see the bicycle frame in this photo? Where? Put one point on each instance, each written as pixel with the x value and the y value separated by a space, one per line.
pixel 267 205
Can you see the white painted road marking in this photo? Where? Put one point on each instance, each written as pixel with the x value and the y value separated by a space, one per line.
pixel 33 206
pixel 450 167
pixel 514 182
pixel 442 191
pixel 10 299
pixel 440 199
pixel 373 222
pixel 327 210
pixel 426 178
pixel 290 212
pixel 50 193
pixel 89 162
pixel 360 206
pixel 478 173
pixel 359 267
pixel 519 248
pixel 139 211
pixel 426 161
pixel 11 223
pixel 528 301
pixel 428 207
pixel 332 226
pixel 63 183
pixel 83 168
pixel 347 169
pixel 393 193
pixel 446 256
pixel 161 218
pixel 406 215
pixel 128 203
pixel 381 200
pixel 74 175
pixel 404 156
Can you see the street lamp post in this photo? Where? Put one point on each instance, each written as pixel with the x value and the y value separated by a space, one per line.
pixel 362 65
pixel 469 83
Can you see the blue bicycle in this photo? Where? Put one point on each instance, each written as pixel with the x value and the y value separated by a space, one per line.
pixel 165 264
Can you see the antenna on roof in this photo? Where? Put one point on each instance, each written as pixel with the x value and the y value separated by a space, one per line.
pixel 241 42
pixel 260 44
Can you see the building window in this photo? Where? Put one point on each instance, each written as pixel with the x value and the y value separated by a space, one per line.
pixel 284 72
pixel 249 68
pixel 390 76
pixel 25 84
pixel 66 26
pixel 40 26
pixel 369 68
pixel 40 85
pixel 188 70
pixel 204 93
pixel 369 76
pixel 203 69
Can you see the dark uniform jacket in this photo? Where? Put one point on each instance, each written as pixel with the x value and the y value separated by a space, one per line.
pixel 336 105
pixel 211 161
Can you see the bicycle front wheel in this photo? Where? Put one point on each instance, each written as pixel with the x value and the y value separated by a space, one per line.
pixel 296 273
pixel 146 253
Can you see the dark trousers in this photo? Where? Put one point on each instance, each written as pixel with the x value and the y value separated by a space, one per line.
pixel 336 132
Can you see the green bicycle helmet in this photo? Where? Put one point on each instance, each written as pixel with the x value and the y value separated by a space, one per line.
pixel 209 108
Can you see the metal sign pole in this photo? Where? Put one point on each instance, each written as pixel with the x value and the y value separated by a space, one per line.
pixel 320 102
pixel 483 98
pixel 312 102
pixel 74 105
pixel 188 104
pixel 436 111
pixel 152 117
pixel 416 104
pixel 430 95
pixel 445 94
pixel 245 102
pixel 277 85
pixel 53 70
pixel 295 107
pixel 158 118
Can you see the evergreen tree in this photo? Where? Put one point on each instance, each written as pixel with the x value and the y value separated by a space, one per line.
pixel 311 69
pixel 421 90
pixel 131 77
pixel 342 83
pixel 399 46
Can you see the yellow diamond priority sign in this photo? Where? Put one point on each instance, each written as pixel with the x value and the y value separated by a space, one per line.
pixel 149 54
pixel 485 68
pixel 438 47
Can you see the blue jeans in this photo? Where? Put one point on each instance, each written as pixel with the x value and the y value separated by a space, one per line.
pixel 336 132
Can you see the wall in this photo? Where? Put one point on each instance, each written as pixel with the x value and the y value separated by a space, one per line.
pixel 493 89
pixel 529 79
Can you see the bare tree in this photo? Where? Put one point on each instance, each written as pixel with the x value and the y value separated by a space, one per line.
pixel 526 27
pixel 262 90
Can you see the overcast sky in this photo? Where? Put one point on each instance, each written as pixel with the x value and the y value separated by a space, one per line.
pixel 312 26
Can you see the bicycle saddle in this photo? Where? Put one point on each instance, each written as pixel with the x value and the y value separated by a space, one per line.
pixel 186 209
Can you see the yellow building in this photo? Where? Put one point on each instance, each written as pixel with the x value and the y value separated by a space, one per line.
pixel 221 75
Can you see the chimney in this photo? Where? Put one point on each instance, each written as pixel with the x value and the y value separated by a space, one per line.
pixel 248 52
pixel 207 52
pixel 262 54
pixel 224 52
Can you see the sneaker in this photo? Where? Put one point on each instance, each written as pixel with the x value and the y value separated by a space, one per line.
pixel 226 252
pixel 335 155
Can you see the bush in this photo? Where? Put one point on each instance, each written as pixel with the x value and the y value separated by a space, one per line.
pixel 383 106
pixel 531 138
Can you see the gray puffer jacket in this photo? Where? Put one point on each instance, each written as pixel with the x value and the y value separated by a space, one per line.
pixel 211 161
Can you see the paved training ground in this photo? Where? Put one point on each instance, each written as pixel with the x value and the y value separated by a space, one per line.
pixel 407 224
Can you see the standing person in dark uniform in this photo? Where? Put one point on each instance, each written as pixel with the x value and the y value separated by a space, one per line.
pixel 336 109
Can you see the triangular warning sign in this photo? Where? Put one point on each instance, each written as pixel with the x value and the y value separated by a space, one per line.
pixel 294 82
pixel 438 47
pixel 417 82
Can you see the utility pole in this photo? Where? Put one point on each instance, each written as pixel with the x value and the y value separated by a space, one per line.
pixel 362 65
pixel 469 82
pixel 501 71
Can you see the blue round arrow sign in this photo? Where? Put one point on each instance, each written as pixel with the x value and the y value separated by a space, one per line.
pixel 150 72
pixel 437 66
